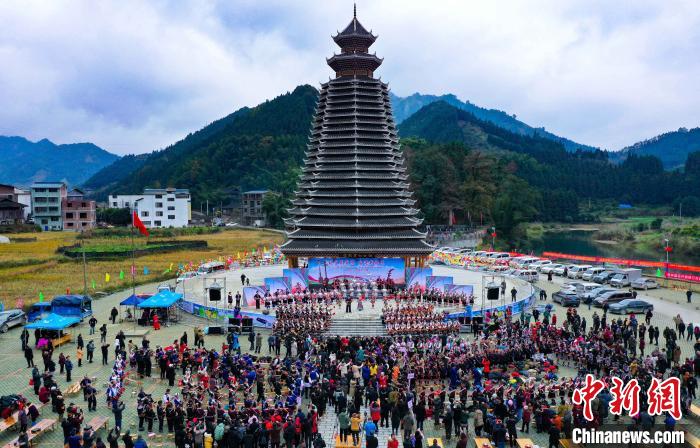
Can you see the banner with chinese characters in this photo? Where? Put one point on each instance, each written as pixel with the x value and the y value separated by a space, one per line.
pixel 363 270
pixel 683 277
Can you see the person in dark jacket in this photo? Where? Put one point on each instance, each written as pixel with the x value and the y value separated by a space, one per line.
pixel 113 437
pixel 499 434
pixel 554 436
pixel 29 356
pixel 372 441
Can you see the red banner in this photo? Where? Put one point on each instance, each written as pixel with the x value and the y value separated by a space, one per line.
pixel 623 261
pixel 684 277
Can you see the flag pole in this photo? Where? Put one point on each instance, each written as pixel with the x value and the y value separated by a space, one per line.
pixel 133 266
pixel 82 247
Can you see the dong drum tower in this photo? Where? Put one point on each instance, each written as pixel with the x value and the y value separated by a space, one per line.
pixel 353 198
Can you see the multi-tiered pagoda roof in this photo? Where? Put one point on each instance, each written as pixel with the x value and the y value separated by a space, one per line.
pixel 353 198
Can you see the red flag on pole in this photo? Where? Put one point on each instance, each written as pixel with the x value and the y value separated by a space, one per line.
pixel 136 222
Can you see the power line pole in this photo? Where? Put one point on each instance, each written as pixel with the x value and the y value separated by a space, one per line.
pixel 82 246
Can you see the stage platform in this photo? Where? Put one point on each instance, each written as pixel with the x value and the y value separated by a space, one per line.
pixel 194 289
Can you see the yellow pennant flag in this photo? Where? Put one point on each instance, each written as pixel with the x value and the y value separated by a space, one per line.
pixel 106 278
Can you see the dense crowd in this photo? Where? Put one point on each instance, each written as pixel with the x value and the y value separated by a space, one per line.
pixel 303 318
pixel 416 319
pixel 497 383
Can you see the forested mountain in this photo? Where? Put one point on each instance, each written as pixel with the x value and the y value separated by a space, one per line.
pixel 108 178
pixel 475 168
pixel 672 147
pixel 260 147
pixel 404 107
pixel 24 162
pixel 456 161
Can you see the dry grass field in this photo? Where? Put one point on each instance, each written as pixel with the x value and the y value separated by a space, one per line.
pixel 28 268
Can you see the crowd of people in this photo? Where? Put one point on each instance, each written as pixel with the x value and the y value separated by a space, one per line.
pixel 416 319
pixel 303 318
pixel 358 292
pixel 498 382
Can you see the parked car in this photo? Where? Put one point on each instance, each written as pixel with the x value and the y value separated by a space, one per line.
pixel 603 277
pixel 576 271
pixel 186 276
pixel 572 286
pixel 591 295
pixel 611 297
pixel 592 272
pixel 546 269
pixel 560 270
pixel 11 318
pixel 529 275
pixel 645 283
pixel 566 298
pixel 539 265
pixel 631 306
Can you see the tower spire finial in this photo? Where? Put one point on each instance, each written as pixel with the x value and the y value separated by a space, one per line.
pixel 354 10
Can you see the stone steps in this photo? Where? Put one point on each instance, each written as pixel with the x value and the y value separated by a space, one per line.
pixel 360 326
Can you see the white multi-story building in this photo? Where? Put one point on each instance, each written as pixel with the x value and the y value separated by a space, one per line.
pixel 157 207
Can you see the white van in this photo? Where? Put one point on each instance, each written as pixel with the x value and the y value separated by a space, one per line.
pixel 583 288
pixel 529 275
pixel 592 272
pixel 525 262
pixel 576 271
pixel 478 254
pixel 539 264
pixel 500 257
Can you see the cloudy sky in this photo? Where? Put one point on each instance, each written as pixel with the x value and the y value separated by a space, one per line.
pixel 135 76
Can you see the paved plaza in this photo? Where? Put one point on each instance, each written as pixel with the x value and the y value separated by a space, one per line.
pixel 14 375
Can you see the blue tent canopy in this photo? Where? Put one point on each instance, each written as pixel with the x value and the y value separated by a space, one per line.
pixel 163 299
pixel 135 299
pixel 54 322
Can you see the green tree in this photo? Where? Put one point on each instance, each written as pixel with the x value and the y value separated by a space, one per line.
pixel 114 216
pixel 515 203
pixel 478 188
pixel 275 207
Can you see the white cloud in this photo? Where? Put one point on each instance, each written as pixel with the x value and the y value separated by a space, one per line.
pixel 136 76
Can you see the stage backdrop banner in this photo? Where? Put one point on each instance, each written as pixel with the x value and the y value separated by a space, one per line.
pixel 249 294
pixel 207 312
pixel 358 269
pixel 438 282
pixel 298 278
pixel 466 290
pixel 418 277
pixel 274 284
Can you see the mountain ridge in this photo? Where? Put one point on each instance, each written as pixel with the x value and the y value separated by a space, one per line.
pixel 404 107
pixel 26 162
